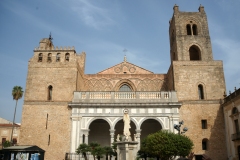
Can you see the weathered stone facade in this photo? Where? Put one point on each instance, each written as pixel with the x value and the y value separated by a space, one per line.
pixel 64 107
pixel 231 107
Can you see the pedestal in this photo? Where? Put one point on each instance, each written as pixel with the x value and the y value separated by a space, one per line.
pixel 127 150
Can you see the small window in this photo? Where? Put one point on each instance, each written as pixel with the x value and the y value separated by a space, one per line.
pixel 50 88
pixel 40 57
pixel 234 110
pixel 49 57
pixel 188 27
pixel 3 140
pixel 47 121
pixel 67 56
pixel 58 57
pixel 200 92
pixel 14 140
pixel 83 138
pixel 49 138
pixel 125 88
pixel 194 29
pixel 204 144
pixel 204 124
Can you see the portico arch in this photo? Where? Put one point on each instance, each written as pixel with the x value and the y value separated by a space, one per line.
pixel 149 126
pixel 119 125
pixel 99 131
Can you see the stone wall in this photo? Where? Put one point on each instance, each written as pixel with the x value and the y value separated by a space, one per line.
pixel 48 126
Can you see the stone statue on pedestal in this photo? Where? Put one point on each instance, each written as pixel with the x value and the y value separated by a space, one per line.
pixel 126 120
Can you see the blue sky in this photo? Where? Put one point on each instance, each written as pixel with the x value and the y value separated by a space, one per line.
pixel 103 29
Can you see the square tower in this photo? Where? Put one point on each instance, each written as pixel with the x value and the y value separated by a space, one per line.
pixel 198 80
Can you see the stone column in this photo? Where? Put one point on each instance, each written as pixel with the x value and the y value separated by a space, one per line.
pixel 86 133
pixel 138 134
pixel 112 135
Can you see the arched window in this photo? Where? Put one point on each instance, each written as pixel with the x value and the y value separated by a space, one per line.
pixel 49 57
pixel 188 27
pixel 58 57
pixel 40 56
pixel 200 92
pixel 83 138
pixel 125 88
pixel 194 29
pixel 194 53
pixel 67 55
pixel 50 89
pixel 234 110
pixel 204 144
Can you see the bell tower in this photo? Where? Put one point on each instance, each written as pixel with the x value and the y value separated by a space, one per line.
pixel 189 36
pixel 198 80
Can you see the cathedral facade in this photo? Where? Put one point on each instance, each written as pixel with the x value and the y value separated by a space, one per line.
pixel 64 107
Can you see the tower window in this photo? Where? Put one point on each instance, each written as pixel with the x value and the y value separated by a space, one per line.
pixel 189 29
pixel 58 57
pixel 194 53
pixel 204 124
pixel 49 57
pixel 67 56
pixel 194 29
pixel 125 88
pixel 50 88
pixel 40 56
pixel 204 144
pixel 200 92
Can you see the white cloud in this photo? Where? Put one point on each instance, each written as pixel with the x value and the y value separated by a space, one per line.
pixel 91 14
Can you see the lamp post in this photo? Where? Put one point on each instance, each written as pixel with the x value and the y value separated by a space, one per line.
pixel 178 127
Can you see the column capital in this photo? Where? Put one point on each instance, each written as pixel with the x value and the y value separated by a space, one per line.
pixel 138 130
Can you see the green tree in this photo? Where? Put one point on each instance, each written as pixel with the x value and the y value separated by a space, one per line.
pixel 83 148
pixel 17 94
pixel 93 146
pixel 166 145
pixel 108 151
pixel 98 152
pixel 6 144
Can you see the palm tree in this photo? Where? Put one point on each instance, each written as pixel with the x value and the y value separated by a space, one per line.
pixel 17 94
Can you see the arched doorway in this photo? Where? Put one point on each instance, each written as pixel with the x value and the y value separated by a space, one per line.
pixel 119 129
pixel 99 132
pixel 149 126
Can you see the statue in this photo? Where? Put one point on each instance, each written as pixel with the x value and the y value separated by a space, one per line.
pixel 126 120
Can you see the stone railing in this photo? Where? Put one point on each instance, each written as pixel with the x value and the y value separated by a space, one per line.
pixel 106 97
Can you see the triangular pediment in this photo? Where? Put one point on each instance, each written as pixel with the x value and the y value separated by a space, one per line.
pixel 125 68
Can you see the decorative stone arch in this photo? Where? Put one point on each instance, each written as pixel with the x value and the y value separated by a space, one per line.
pixel 195 52
pixel 203 89
pixel 127 82
pixel 96 118
pixel 155 118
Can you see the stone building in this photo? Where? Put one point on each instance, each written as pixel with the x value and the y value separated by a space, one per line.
pixel 6 132
pixel 231 107
pixel 64 106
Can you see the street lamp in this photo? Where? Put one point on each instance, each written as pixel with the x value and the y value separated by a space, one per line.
pixel 178 127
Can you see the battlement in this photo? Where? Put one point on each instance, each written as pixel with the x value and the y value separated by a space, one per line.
pixel 54 48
